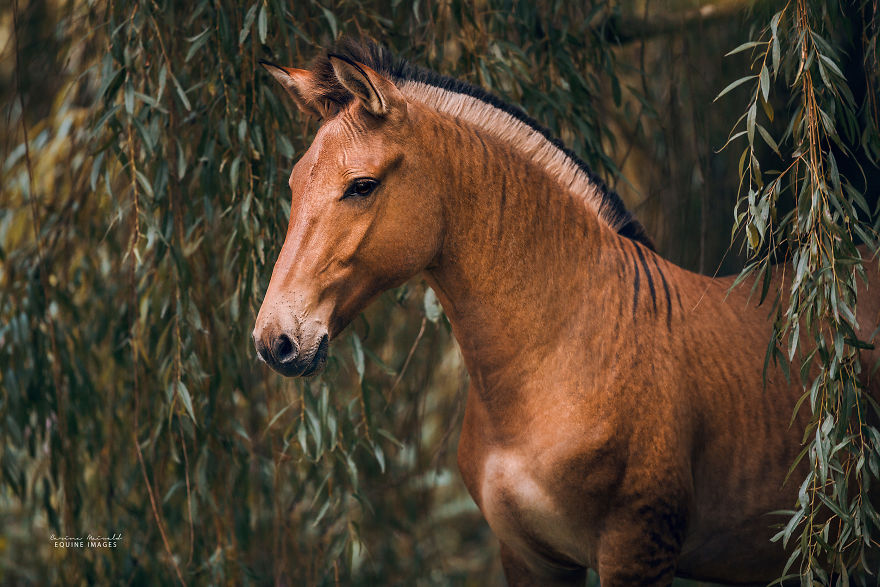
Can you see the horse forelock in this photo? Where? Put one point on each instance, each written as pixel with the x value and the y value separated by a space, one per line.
pixel 504 120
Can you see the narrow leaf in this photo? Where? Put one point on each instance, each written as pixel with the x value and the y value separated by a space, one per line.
pixel 744 46
pixel 765 82
pixel 735 84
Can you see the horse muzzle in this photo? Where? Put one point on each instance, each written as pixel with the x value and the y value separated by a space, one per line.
pixel 284 350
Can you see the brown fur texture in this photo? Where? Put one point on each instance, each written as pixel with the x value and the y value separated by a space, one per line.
pixel 617 418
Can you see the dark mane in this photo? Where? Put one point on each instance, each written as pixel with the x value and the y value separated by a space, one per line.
pixel 611 207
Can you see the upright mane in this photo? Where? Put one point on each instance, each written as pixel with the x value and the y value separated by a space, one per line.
pixel 476 105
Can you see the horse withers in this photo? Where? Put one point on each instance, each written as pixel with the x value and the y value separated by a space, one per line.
pixel 617 418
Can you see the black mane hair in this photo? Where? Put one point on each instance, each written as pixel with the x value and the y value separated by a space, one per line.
pixel 380 59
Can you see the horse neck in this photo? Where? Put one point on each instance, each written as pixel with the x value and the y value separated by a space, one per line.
pixel 520 256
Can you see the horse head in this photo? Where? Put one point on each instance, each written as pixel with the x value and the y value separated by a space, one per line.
pixel 363 218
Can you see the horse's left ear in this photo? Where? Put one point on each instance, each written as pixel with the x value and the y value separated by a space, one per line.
pixel 379 96
pixel 300 85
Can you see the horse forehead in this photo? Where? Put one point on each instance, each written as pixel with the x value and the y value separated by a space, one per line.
pixel 339 138
pixel 353 144
pixel 318 155
pixel 345 143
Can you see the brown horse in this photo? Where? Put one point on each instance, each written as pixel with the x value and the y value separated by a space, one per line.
pixel 617 418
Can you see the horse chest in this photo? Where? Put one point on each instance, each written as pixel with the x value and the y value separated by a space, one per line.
pixel 517 499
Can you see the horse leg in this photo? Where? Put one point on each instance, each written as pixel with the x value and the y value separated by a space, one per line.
pixel 631 570
pixel 520 574
pixel 633 553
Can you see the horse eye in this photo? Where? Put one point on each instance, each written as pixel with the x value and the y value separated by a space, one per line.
pixel 361 188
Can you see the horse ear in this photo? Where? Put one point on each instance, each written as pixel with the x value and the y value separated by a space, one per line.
pixel 377 93
pixel 300 86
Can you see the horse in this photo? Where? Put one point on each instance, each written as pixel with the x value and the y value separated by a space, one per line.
pixel 619 417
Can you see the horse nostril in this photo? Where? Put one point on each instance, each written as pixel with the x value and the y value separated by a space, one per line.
pixel 284 349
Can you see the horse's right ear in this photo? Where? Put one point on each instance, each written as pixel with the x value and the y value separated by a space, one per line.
pixel 378 94
pixel 300 86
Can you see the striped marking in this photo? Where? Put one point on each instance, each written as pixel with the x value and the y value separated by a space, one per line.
pixel 668 297
pixel 641 262
pixel 636 288
pixel 648 274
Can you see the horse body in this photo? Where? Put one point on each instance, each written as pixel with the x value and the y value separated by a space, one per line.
pixel 618 417
pixel 616 413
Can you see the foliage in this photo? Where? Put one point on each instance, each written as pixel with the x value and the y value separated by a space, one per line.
pixel 828 136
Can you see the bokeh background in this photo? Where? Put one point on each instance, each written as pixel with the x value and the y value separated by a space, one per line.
pixel 143 200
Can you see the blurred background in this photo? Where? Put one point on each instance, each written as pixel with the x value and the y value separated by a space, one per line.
pixel 144 158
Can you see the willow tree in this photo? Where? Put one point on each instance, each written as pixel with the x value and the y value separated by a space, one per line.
pixel 808 206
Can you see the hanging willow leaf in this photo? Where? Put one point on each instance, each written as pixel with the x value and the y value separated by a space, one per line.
pixel 735 84
pixel 248 23
pixel 765 82
pixel 743 47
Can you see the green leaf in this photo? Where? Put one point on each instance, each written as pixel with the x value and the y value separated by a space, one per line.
pixel 358 355
pixel 248 23
pixel 768 139
pixel 765 82
pixel 129 96
pixel 302 437
pixel 322 512
pixel 181 160
pixel 615 90
pixel 183 394
pixel 750 122
pixel 744 46
pixel 262 24
pixel 775 55
pixel 754 236
pixel 735 84
pixel 793 557
pixel 331 20
pixel 834 507
pixel 742 161
pixel 276 417
pixel 857 197
pixel 790 527
pixel 824 74
pixel 380 456
pixel 180 93
pixel 831 64
pixel 144 183
pixel 390 437
pixel 774 24
pixel 197 43
pixel 733 137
